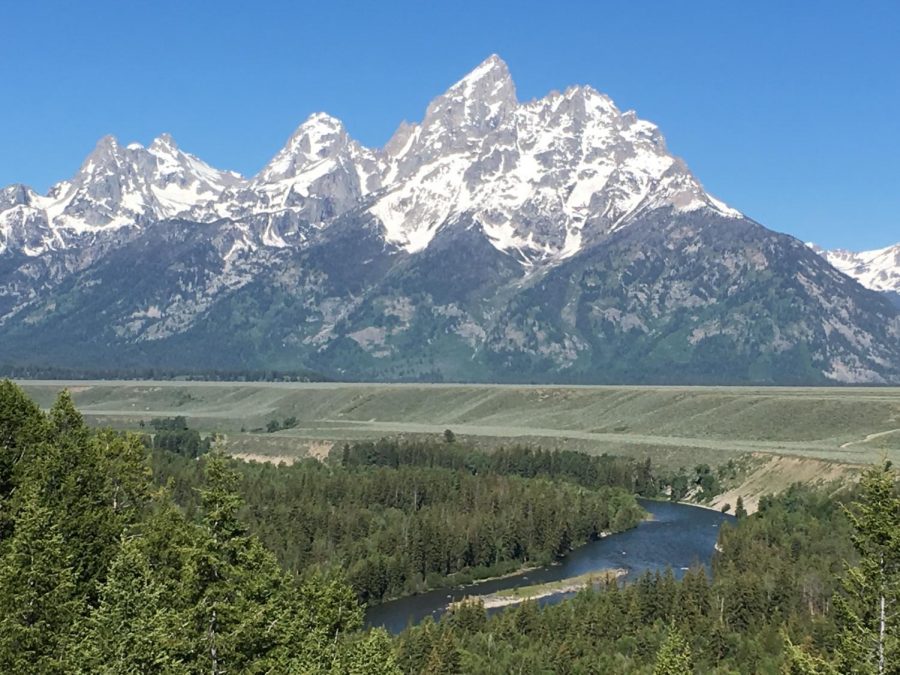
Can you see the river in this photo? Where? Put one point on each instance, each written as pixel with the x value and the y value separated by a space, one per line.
pixel 678 536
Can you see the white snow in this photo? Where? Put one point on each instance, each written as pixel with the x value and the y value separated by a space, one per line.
pixel 878 270
pixel 542 178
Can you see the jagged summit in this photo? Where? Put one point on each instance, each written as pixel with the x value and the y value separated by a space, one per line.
pixel 164 143
pixel 550 240
pixel 493 69
pixel 115 187
pixel 319 138
pixel 541 179
pixel 480 98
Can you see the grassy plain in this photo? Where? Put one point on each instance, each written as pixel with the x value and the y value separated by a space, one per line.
pixel 677 426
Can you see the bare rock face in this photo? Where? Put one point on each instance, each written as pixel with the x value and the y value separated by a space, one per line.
pixel 550 240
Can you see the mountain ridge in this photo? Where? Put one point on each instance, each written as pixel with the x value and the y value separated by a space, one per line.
pixel 321 172
pixel 551 240
pixel 877 269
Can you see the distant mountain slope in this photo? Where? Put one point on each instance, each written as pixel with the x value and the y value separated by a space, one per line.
pixel 554 240
pixel 878 269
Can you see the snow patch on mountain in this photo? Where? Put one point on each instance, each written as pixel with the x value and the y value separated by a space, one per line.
pixel 116 187
pixel 878 269
pixel 542 178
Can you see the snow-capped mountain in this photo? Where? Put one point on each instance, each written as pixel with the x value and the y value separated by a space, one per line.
pixel 549 240
pixel 319 174
pixel 542 179
pixel 116 187
pixel 878 269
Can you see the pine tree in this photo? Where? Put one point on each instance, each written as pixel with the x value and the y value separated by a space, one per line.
pixel 674 656
pixel 39 600
pixel 326 614
pixel 138 626
pixel 415 646
pixel 65 420
pixel 798 661
pixel 241 606
pixel 94 485
pixel 444 658
pixel 867 611
pixel 469 615
pixel 371 654
pixel 739 510
pixel 22 428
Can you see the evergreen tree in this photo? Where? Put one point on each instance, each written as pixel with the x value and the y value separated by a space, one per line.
pixel 415 646
pixel 22 427
pixel 138 626
pixel 445 657
pixel 95 486
pixel 65 420
pixel 371 654
pixel 798 661
pixel 469 615
pixel 674 656
pixel 241 610
pixel 39 600
pixel 739 510
pixel 325 616
pixel 867 611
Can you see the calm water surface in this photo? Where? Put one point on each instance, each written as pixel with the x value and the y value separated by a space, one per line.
pixel 677 537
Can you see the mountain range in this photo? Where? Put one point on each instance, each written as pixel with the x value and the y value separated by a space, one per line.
pixel 878 269
pixel 555 240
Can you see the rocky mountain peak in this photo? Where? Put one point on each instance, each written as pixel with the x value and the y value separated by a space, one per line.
pixel 16 194
pixel 475 105
pixel 321 137
pixel 163 144
pixel 104 158
pixel 878 269
pixel 489 83
pixel 542 179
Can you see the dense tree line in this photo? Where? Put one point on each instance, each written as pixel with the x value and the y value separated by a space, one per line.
pixel 172 434
pixel 590 471
pixel 797 588
pixel 45 372
pixel 100 572
pixel 405 527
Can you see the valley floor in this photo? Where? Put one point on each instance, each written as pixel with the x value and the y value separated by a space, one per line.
pixel 778 434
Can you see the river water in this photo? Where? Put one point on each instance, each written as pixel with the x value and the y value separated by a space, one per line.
pixel 678 536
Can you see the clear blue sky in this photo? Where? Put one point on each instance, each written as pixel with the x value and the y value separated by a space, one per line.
pixel 789 111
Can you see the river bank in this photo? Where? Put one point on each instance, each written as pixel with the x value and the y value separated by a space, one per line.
pixel 517 572
pixel 538 591
pixel 678 536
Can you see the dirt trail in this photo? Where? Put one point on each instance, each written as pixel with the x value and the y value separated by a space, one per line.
pixel 870 437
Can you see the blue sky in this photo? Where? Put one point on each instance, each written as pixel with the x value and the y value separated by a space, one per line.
pixel 789 112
